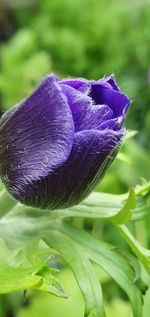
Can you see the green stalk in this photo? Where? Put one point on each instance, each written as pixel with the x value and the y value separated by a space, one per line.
pixel 6 202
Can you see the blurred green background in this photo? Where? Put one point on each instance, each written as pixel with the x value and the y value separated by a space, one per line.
pixel 89 39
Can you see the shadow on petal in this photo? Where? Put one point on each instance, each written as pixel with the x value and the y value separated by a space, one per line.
pixel 117 101
pixel 36 138
pixel 92 153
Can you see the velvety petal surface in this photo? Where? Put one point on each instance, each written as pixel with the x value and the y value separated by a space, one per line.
pixel 86 115
pixel 58 143
pixel 101 84
pixel 79 104
pixel 36 138
pixel 92 153
pixel 95 117
pixel 111 80
pixel 81 85
pixel 114 124
pixel 84 85
pixel 117 101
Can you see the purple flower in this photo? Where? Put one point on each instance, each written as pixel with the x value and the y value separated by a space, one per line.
pixel 58 143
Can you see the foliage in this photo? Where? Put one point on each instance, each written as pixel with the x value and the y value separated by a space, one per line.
pixel 23 227
pixel 79 39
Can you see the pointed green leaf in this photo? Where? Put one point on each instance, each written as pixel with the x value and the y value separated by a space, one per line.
pixel 112 263
pixel 142 253
pixel 125 212
pixel 82 269
pixel 146 307
pixel 12 277
pixel 24 224
pixel 124 158
pixel 23 269
pixel 51 284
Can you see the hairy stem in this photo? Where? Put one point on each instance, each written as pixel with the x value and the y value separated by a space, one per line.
pixel 6 202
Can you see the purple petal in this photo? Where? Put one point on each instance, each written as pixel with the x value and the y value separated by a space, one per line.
pixel 81 85
pixel 111 80
pixel 112 124
pixel 86 115
pixel 79 104
pixel 117 101
pixel 84 85
pixel 100 84
pixel 106 82
pixel 91 155
pixel 37 137
pixel 95 117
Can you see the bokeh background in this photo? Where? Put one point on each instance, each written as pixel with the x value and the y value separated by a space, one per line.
pixel 89 39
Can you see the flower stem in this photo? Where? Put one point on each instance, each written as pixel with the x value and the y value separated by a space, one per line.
pixel 6 202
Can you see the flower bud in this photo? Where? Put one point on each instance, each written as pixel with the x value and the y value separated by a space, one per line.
pixel 58 143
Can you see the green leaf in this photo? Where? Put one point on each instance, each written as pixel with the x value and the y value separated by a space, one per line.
pixel 146 307
pixel 51 284
pixel 142 208
pixel 15 278
pixel 132 260
pixel 1 187
pixel 84 273
pixel 125 212
pixel 130 134
pixel 142 253
pixel 6 202
pixel 124 158
pixel 24 224
pixel 112 263
pixel 23 269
